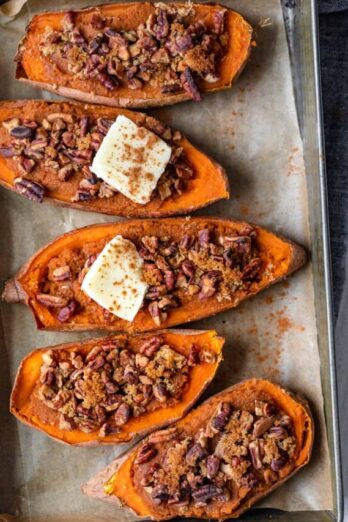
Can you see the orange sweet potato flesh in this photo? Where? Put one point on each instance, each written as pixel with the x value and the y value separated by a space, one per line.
pixel 115 483
pixel 39 71
pixel 28 408
pixel 280 258
pixel 210 182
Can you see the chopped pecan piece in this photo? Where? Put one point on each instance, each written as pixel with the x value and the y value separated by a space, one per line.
pixel 155 312
pixel 213 465
pixel 277 432
pixel 11 123
pixel 160 392
pixel 220 420
pixel 207 492
pixel 65 172
pixel 59 116
pixel 26 164
pixel 68 311
pixel 252 269
pixel 61 273
pixel 122 414
pixel 278 464
pixel 195 454
pixel 254 449
pixel 151 346
pixel 159 493
pixel 53 301
pixel 219 21
pixel 209 284
pixel 8 152
pixel 21 132
pixel 189 85
pixel 262 425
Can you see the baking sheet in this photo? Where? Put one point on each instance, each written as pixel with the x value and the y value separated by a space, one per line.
pixel 253 131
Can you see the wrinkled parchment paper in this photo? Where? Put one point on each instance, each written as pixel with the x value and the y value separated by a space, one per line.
pixel 252 131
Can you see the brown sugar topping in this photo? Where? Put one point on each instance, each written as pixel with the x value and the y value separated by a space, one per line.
pixel 105 387
pixel 235 450
pixel 172 50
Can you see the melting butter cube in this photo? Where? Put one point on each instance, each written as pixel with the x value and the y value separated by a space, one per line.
pixel 115 280
pixel 131 159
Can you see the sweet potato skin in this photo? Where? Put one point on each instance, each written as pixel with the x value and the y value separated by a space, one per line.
pixel 287 254
pixel 209 184
pixel 36 72
pixel 179 339
pixel 95 486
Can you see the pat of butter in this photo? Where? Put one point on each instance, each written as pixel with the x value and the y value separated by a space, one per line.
pixel 115 280
pixel 131 159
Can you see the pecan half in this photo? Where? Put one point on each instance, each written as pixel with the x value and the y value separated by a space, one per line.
pixel 163 435
pixel 21 132
pixel 29 189
pixel 189 85
pixel 206 492
pixel 146 453
pixel 53 301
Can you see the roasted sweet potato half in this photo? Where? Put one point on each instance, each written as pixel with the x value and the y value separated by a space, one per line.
pixel 139 54
pixel 216 462
pixel 194 268
pixel 46 149
pixel 109 390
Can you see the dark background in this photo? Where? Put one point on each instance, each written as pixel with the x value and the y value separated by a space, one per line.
pixel 334 72
pixel 333 37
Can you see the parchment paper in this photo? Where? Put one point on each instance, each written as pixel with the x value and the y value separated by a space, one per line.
pixel 252 131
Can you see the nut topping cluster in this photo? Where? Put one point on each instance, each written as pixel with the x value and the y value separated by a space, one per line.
pixel 105 387
pixel 236 449
pixel 65 145
pixel 204 265
pixel 172 50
